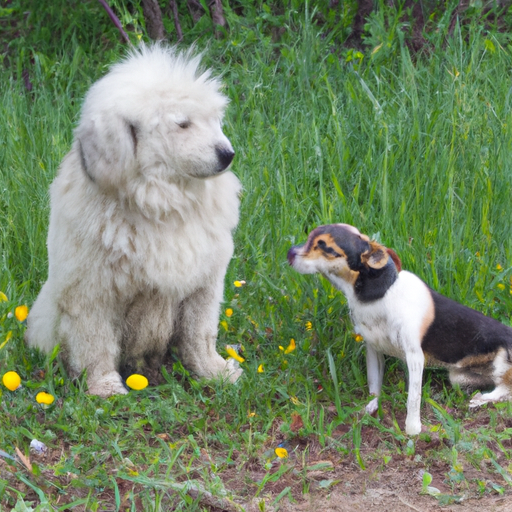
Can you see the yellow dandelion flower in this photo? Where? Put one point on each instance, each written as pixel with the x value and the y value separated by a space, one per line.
pixel 260 369
pixel 501 286
pixel 291 347
pixel 44 398
pixel 282 453
pixel 137 382
pixel 21 313
pixel 232 352
pixel 251 414
pixel 281 348
pixel 239 284
pixel 357 337
pixel 11 380
pixel 499 267
pixel 253 322
pixel 7 338
pixel 229 312
pixel 3 297
pixel 309 326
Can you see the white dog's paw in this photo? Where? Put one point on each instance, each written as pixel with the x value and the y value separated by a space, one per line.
pixel 216 368
pixel 412 427
pixel 233 370
pixel 106 385
pixel 372 406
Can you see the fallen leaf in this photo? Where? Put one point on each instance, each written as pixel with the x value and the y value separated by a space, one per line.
pixel 297 422
pixel 25 460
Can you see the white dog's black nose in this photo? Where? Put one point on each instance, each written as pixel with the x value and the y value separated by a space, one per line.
pixel 225 156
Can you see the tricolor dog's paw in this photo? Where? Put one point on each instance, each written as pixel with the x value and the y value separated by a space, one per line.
pixel 499 394
pixel 372 406
pixel 477 401
pixel 412 427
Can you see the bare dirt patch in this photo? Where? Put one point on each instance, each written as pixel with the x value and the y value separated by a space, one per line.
pixel 392 480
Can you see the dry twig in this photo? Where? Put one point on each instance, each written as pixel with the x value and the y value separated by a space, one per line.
pixel 115 20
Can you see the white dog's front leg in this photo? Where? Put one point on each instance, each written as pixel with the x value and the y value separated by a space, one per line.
pixel 196 335
pixel 91 342
pixel 415 362
pixel 375 372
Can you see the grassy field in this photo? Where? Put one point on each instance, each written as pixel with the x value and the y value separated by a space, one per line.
pixel 413 149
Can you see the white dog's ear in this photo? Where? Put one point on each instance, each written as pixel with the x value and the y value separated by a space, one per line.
pixel 108 150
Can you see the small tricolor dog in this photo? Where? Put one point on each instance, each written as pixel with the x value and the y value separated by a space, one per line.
pixel 398 315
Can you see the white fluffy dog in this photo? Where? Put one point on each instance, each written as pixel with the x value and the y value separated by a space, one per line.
pixel 141 223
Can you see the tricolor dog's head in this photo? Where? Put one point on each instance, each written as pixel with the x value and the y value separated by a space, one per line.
pixel 346 257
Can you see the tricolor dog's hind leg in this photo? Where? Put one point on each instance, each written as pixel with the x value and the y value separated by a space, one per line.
pixel 502 378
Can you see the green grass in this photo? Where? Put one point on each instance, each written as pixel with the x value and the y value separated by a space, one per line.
pixel 415 150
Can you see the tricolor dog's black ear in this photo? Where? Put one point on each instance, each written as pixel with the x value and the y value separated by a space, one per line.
pixel 375 257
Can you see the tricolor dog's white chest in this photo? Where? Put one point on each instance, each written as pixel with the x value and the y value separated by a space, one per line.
pixel 396 323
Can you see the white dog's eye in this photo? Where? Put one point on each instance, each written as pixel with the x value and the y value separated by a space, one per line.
pixel 184 124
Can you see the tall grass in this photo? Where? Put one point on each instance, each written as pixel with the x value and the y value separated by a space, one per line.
pixel 414 150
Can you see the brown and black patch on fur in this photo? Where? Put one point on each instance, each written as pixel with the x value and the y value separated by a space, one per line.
pixel 342 242
pixel 374 268
pixel 458 333
pixel 325 246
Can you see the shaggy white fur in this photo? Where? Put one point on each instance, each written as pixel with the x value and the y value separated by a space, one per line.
pixel 141 224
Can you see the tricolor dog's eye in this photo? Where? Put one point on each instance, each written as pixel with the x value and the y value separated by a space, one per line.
pixel 325 248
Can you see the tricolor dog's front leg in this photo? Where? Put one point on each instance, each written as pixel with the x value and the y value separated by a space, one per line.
pixel 375 372
pixel 415 363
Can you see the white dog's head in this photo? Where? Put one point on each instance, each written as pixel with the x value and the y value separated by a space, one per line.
pixel 154 118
